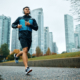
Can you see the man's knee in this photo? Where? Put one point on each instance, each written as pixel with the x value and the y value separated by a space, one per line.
pixel 25 49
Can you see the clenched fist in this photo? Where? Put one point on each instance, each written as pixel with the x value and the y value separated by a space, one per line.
pixel 27 23
pixel 19 26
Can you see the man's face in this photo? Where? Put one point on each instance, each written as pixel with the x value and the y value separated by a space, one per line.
pixel 26 10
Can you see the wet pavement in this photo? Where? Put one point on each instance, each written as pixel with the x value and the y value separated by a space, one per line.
pixel 39 73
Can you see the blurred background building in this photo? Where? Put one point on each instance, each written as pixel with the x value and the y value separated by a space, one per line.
pixel 5 29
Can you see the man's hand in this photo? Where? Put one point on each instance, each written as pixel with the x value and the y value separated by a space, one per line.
pixel 27 23
pixel 19 26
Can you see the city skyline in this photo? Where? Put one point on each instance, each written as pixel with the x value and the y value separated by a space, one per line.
pixel 53 16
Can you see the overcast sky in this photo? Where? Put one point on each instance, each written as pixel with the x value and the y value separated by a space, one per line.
pixel 53 10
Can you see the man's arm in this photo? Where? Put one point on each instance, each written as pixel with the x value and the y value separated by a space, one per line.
pixel 15 23
pixel 34 25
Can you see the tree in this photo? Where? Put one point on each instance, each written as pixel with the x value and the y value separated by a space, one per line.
pixel 10 57
pixel 33 55
pixel 38 51
pixel 16 51
pixel 75 8
pixel 48 52
pixel 29 56
pixel 4 49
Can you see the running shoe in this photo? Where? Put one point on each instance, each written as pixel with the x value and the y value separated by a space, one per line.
pixel 28 70
pixel 15 58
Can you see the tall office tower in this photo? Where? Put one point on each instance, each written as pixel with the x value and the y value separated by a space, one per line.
pixel 38 36
pixel 77 30
pixel 55 48
pixel 52 47
pixel 50 41
pixel 15 44
pixel 69 32
pixel 76 39
pixel 46 38
pixel 5 28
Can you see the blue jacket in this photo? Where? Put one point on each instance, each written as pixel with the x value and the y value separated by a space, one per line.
pixel 24 29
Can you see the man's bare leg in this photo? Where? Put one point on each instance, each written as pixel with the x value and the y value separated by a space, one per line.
pixel 20 53
pixel 24 57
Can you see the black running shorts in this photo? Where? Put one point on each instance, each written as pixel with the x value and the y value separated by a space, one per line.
pixel 25 41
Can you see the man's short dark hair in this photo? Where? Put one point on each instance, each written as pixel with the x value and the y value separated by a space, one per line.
pixel 26 7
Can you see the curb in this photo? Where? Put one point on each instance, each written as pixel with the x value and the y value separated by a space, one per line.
pixel 61 62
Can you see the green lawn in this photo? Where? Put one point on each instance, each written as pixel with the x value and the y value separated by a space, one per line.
pixel 65 55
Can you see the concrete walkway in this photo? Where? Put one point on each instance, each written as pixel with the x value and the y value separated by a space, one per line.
pixel 39 73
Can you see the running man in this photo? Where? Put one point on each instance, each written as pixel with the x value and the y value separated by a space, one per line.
pixel 25 24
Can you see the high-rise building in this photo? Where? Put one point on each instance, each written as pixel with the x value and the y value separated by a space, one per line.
pixel 37 36
pixel 5 29
pixel 15 43
pixel 55 48
pixel 77 28
pixel 69 32
pixel 46 39
pixel 77 35
pixel 51 41
pixel 76 39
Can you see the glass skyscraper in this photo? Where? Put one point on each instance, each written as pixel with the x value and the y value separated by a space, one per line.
pixel 5 28
pixel 77 29
pixel 77 35
pixel 55 48
pixel 69 32
pixel 51 41
pixel 76 39
pixel 46 38
pixel 15 43
pixel 37 36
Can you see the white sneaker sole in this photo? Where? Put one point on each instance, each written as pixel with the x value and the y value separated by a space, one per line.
pixel 28 71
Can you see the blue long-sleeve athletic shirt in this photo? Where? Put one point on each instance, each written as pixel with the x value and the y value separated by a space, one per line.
pixel 25 31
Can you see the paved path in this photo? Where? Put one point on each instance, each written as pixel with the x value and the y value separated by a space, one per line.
pixel 39 73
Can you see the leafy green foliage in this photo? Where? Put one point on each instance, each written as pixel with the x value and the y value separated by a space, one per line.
pixel 4 50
